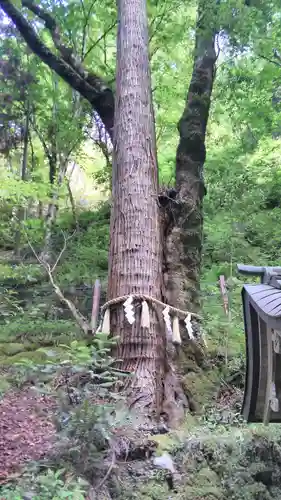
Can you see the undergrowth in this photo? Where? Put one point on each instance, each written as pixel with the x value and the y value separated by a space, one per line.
pixel 88 412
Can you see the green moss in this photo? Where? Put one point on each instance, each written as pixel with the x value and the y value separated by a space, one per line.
pixel 37 357
pixel 202 386
pixel 203 493
pixel 166 442
pixel 151 490
pixel 10 349
pixel 207 476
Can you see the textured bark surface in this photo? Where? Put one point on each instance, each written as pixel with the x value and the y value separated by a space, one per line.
pixel 135 258
pixel 185 220
pixel 135 264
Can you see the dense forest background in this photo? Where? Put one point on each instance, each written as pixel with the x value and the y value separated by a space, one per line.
pixel 55 196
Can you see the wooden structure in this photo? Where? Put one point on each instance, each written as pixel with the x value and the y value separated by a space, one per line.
pixel 262 318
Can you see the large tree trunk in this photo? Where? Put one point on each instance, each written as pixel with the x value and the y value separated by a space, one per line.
pixel 185 220
pixel 135 263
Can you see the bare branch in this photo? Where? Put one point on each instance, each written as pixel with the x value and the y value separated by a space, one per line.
pixel 86 22
pixel 112 464
pixel 63 249
pixel 79 318
pixel 100 39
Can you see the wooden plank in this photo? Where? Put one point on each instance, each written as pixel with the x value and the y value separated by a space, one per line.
pixel 276 311
pixel 252 361
pixel 276 417
pixel 266 301
pixel 264 361
pixel 249 358
pixel 265 294
pixel 254 289
pixel 224 294
pixel 274 305
pixel 269 377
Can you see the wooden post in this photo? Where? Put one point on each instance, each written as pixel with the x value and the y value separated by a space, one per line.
pixel 96 305
pixel 224 294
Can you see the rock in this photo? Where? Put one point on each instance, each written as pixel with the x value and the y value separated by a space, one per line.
pixel 164 462
pixel 10 349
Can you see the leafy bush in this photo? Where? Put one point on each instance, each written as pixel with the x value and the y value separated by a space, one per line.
pixel 83 381
pixel 38 330
pixel 91 255
pixel 50 485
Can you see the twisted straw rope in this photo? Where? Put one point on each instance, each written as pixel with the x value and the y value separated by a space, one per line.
pixel 148 299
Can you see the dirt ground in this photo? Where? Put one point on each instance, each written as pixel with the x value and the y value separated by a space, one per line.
pixel 26 429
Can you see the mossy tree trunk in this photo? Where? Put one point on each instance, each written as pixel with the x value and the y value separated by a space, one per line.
pixel 185 220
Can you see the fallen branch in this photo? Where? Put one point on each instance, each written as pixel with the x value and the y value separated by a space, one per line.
pixel 112 464
pixel 79 318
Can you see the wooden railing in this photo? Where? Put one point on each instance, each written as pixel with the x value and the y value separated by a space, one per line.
pixel 262 319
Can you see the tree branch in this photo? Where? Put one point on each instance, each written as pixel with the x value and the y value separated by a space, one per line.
pixel 90 86
pixel 79 318
pixel 86 22
pixel 51 25
pixel 100 39
pixel 269 60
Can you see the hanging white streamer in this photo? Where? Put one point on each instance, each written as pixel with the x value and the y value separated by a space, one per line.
pixel 176 331
pixel 167 320
pixel 129 310
pixel 145 319
pixel 106 322
pixel 188 326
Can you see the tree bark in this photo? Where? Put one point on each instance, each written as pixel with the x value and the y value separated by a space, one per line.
pixel 184 220
pixel 135 263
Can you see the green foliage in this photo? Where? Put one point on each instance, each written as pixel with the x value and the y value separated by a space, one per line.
pixel 89 411
pixel 90 247
pixel 49 485
pixel 30 328
pixel 20 274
